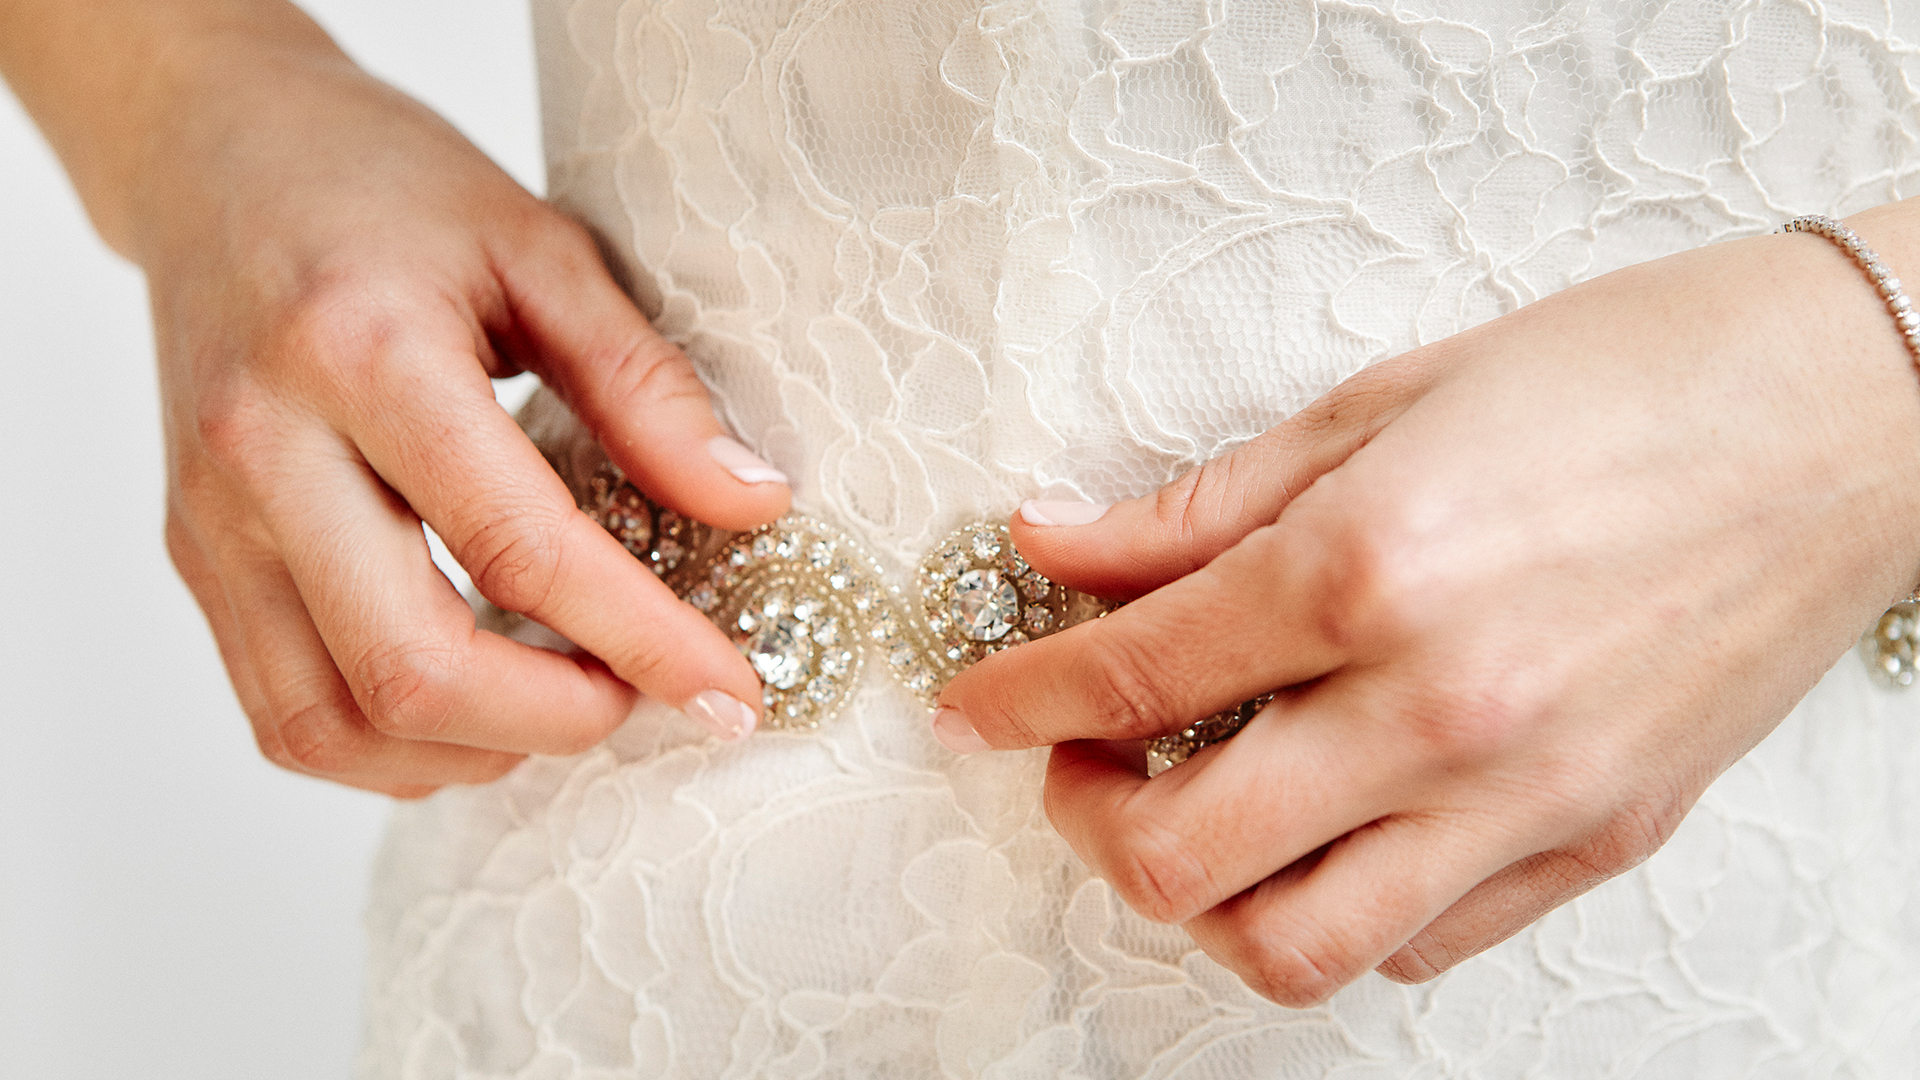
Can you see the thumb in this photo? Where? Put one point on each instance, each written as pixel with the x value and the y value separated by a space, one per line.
pixel 635 390
pixel 1133 547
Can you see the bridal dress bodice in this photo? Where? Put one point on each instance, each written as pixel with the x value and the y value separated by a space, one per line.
pixel 937 256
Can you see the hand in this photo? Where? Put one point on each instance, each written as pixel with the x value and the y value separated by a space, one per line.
pixel 335 273
pixel 1525 592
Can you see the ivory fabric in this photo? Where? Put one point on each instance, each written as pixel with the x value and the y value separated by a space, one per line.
pixel 937 256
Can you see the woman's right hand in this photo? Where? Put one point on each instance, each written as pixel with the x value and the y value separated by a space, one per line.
pixel 335 273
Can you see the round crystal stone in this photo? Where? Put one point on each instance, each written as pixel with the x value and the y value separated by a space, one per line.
pixel 985 605
pixel 779 652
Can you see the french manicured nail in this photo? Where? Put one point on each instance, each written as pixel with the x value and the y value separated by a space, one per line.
pixel 1060 512
pixel 729 717
pixel 745 466
pixel 951 728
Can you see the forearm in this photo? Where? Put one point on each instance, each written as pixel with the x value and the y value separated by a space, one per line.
pixel 109 80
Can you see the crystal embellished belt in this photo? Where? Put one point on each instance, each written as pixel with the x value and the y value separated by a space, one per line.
pixel 807 605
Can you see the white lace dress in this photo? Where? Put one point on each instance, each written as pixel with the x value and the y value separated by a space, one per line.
pixel 937 256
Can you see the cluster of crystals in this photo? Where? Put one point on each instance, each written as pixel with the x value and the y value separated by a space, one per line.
pixel 655 535
pixel 1889 647
pixel 1167 751
pixel 800 600
pixel 620 509
pixel 1898 304
pixel 978 596
pixel 796 600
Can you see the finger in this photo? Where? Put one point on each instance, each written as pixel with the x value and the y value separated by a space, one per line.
pixel 1302 934
pixel 1195 835
pixel 197 572
pixel 1136 546
pixel 1518 896
pixel 405 641
pixel 505 516
pixel 313 716
pixel 634 389
pixel 1256 618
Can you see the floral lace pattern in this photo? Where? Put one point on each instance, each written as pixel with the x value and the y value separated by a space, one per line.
pixel 938 256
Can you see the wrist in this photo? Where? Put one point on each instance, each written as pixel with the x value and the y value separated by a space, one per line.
pixel 119 86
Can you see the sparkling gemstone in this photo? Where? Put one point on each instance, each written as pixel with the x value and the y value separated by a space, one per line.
pixel 738 557
pixel 836 663
pixel 901 656
pixel 919 679
pixel 774 605
pixel 806 608
pixel 954 566
pixel 840 578
pixel 1038 619
pixel 1020 566
pixel 885 627
pixel 938 623
pixel 763 546
pixel 823 691
pixel 671 553
pixel 1036 587
pixel 703 597
pixel 820 555
pixel 1016 638
pixel 780 654
pixel 985 545
pixel 747 622
pixel 828 633
pixel 984 605
pixel 718 574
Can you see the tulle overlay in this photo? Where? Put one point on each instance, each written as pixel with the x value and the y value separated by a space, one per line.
pixel 935 257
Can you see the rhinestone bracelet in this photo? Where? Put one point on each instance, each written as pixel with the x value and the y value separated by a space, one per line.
pixel 807 605
pixel 1898 304
pixel 1891 647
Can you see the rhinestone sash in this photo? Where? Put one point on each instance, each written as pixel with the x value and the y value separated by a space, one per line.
pixel 808 606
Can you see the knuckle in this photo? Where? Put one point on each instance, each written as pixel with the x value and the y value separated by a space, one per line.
pixel 1467 723
pixel 1416 962
pixel 316 737
pixel 513 556
pixel 1130 695
pixel 1158 873
pixel 646 664
pixel 1630 837
pixel 1287 973
pixel 232 428
pixel 1365 590
pixel 409 690
pixel 646 369
pixel 342 320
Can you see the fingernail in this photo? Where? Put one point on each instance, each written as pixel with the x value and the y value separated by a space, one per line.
pixel 729 717
pixel 1060 512
pixel 951 728
pixel 743 463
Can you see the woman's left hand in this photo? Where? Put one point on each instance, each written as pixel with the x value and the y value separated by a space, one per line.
pixel 1524 593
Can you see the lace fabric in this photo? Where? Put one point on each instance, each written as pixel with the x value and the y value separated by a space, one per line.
pixel 936 257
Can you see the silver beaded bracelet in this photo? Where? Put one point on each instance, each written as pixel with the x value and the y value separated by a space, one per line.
pixel 1898 305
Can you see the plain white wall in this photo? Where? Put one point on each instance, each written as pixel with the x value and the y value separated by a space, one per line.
pixel 170 906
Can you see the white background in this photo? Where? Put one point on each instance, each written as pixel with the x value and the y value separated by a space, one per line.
pixel 170 906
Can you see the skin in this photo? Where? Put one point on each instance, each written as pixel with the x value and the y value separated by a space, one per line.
pixel 1526 591
pixel 335 274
